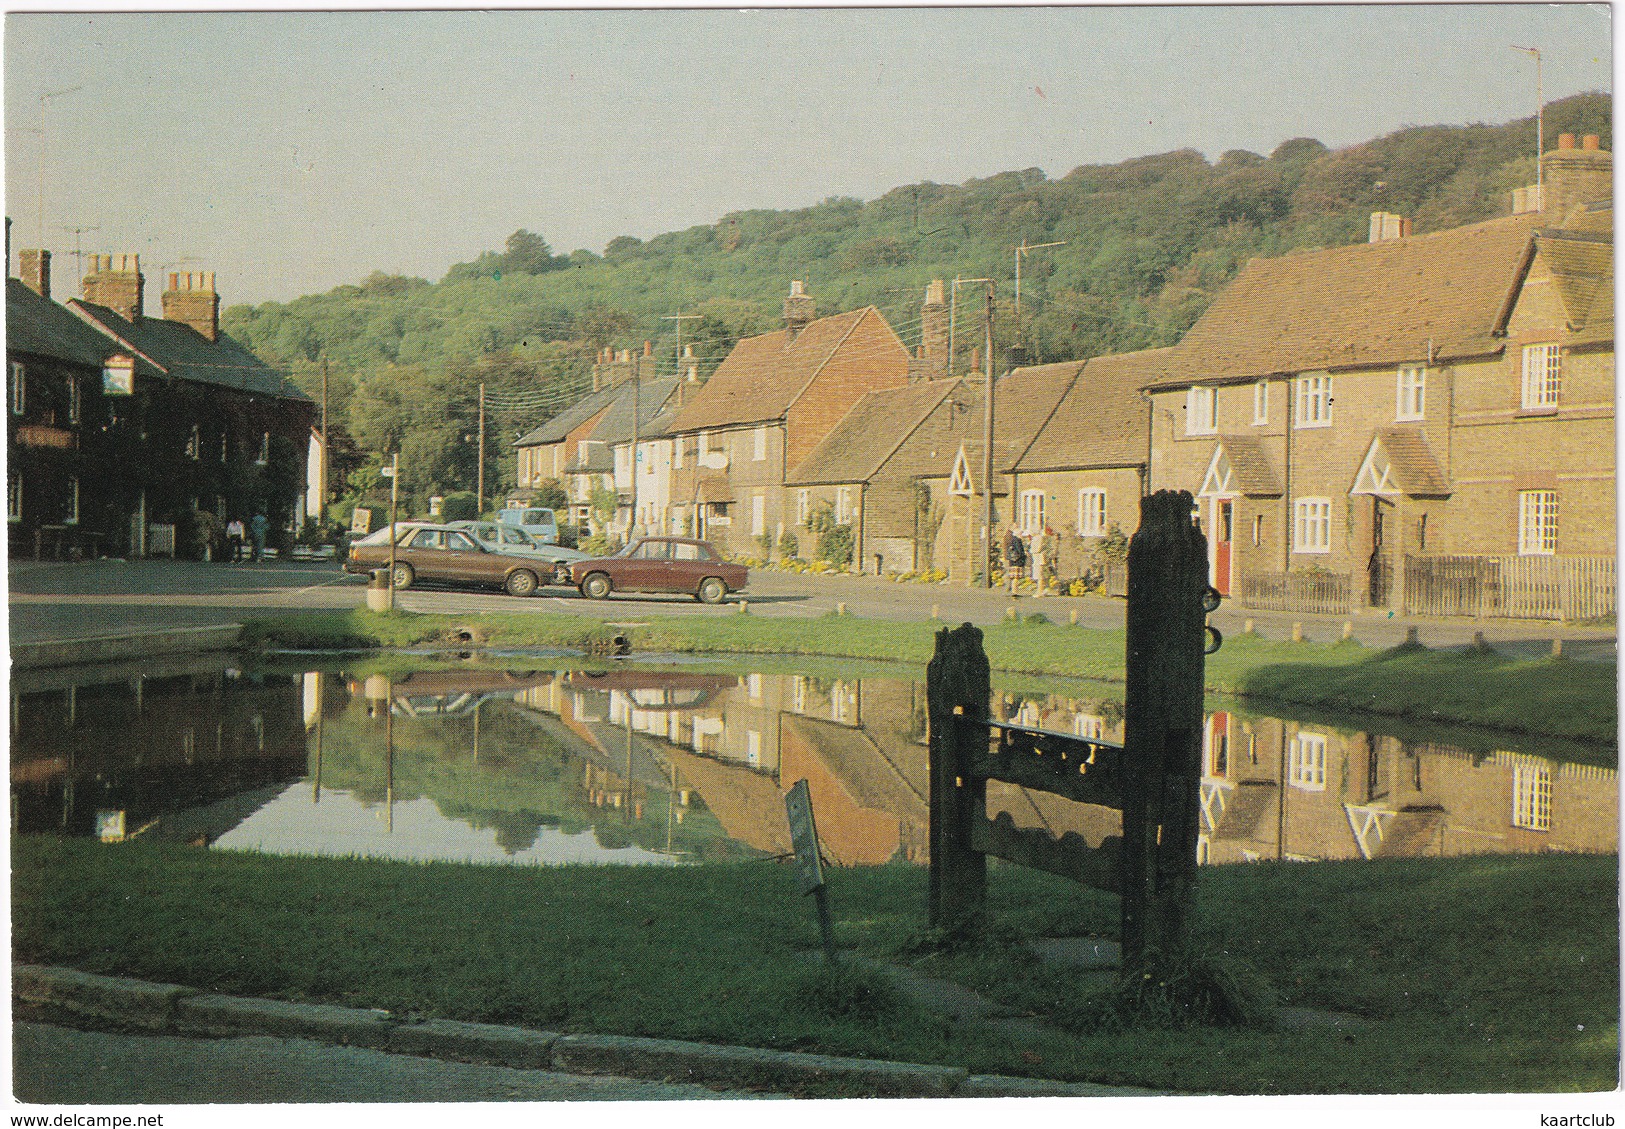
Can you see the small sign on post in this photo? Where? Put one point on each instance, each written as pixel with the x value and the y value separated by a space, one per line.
pixel 809 865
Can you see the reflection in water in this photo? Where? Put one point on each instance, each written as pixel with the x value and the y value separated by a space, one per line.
pixel 689 764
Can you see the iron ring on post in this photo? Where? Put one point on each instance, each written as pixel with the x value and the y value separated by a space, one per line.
pixel 1215 640
pixel 1210 600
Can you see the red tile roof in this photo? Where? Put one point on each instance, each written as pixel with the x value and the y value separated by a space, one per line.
pixel 872 431
pixel 1101 421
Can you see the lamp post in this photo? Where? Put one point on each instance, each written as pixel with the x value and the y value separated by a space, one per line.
pixel 1540 121
pixel 393 473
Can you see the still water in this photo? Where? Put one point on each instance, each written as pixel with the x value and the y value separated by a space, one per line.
pixel 688 763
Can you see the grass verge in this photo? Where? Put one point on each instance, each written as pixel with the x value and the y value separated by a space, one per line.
pixel 1552 697
pixel 1493 974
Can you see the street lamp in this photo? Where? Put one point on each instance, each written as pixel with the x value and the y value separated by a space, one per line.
pixel 393 473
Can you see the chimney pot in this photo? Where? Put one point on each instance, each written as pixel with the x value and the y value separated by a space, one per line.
pixel 1565 141
pixel 795 287
pixel 1591 143
pixel 648 349
pixel 174 280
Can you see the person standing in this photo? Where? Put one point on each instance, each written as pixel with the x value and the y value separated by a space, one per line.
pixel 234 538
pixel 256 529
pixel 1015 558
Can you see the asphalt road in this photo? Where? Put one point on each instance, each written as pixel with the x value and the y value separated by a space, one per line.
pixel 75 600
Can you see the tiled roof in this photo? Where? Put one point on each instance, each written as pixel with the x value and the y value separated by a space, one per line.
pixel 1371 304
pixel 1254 475
pixel 875 427
pixel 559 427
pixel 186 354
pixel 1101 421
pixel 651 396
pixel 41 327
pixel 762 376
pixel 1022 404
pixel 1583 270
pixel 1411 462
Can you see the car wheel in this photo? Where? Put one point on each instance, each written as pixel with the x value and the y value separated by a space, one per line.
pixel 403 576
pixel 596 586
pixel 521 582
pixel 712 590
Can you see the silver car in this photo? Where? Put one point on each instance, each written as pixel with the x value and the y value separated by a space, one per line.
pixel 511 540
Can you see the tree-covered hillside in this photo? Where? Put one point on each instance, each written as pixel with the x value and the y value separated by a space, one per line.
pixel 1148 243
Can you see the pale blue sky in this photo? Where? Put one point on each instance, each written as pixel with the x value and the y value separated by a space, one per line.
pixel 294 151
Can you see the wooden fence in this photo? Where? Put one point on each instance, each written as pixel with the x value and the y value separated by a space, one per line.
pixel 1515 587
pixel 1326 592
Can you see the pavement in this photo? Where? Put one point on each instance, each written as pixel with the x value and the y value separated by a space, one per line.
pixel 84 1039
pixel 51 601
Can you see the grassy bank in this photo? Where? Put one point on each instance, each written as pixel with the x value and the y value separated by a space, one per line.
pixel 1574 700
pixel 1472 974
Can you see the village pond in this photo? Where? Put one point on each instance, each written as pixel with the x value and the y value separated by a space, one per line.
pixel 688 761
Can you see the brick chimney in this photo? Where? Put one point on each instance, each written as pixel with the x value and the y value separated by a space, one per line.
pixel 798 310
pixel 1386 226
pixel 191 300
pixel 34 268
pixel 932 361
pixel 1572 177
pixel 115 281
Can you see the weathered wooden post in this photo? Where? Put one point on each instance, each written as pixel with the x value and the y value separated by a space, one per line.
pixel 1162 735
pixel 958 685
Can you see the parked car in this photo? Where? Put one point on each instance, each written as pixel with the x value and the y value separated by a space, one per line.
pixel 661 564
pixel 538 521
pixel 500 537
pixel 442 555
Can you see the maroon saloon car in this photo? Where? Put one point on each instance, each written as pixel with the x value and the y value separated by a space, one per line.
pixel 661 564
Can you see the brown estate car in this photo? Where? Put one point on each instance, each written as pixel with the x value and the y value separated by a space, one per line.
pixel 442 555
pixel 661 564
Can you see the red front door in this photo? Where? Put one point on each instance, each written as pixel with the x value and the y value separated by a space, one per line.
pixel 1224 516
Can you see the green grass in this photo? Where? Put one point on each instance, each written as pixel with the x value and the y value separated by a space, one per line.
pixel 1473 974
pixel 1550 697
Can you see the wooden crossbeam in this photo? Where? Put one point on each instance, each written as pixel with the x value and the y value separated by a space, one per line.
pixel 1070 856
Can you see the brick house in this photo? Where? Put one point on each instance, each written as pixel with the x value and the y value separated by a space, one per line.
pixel 854 478
pixel 1400 424
pixel 1084 472
pixel 771 401
pixel 123 431
pixel 946 457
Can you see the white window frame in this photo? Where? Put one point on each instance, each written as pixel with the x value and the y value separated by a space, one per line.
pixel 704 444
pixel 1312 406
pixel 677 446
pixel 194 443
pixel 1537 523
pixel 843 505
pixel 803 506
pixel 1030 511
pixel 1312 525
pixel 759 445
pixel 1201 410
pixel 1542 375
pixel 14 497
pixel 1410 393
pixel 1090 727
pixel 70 514
pixel 1092 512
pixel 758 515
pixel 1306 762
pixel 1532 797
pixel 1261 403
pixel 19 388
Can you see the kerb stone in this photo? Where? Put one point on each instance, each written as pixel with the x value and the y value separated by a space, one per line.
pixel 475 1042
pixel 234 1015
pixel 64 992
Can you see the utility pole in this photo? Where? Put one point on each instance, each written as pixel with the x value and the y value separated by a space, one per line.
pixel 1540 121
pixel 394 499
pixel 987 451
pixel 680 319
pixel 953 305
pixel 479 487
pixel 1020 251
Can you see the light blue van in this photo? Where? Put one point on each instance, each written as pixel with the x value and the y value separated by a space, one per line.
pixel 534 520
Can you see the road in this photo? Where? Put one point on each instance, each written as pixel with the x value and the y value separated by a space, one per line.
pixel 74 600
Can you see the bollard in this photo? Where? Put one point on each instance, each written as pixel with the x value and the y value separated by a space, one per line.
pixel 840 609
pixel 1010 614
pixel 1348 630
pixel 1247 627
pixel 1072 617
pixel 1297 633
pixel 1557 648
pixel 936 611
pixel 744 607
